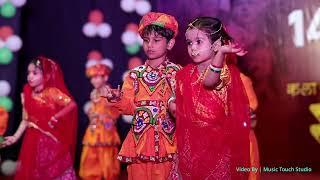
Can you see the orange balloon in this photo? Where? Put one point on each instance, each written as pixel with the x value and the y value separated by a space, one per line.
pixel 96 16
pixel 132 27
pixel 95 54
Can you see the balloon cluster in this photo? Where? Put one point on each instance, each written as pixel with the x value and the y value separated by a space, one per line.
pixel 96 25
pixel 141 7
pixel 5 101
pixel 9 43
pixel 131 39
pixel 8 7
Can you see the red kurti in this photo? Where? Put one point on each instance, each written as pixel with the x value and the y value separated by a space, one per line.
pixel 212 125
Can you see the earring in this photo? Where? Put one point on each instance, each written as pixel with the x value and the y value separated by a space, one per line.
pixel 216 45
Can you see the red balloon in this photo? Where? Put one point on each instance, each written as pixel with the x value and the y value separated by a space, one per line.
pixel 5 32
pixel 94 54
pixel 96 16
pixel 134 62
pixel 132 27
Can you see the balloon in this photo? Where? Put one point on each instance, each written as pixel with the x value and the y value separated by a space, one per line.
pixel 89 29
pixel 2 44
pixel 129 37
pixel 95 54
pixel 143 7
pixel 107 62
pixel 8 167
pixel 6 56
pixel 18 3
pixel 14 43
pixel 2 2
pixel 7 10
pixel 104 30
pixel 4 88
pixel 96 16
pixel 133 49
pixel 132 27
pixel 127 5
pixel 5 32
pixel 6 103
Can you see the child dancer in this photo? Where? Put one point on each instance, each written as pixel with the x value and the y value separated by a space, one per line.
pixel 150 144
pixel 49 122
pixel 212 107
pixel 101 140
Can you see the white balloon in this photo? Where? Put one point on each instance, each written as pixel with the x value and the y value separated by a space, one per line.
pixel 139 39
pixel 2 44
pixel 89 29
pixel 129 37
pixel 2 1
pixel 143 7
pixel 127 5
pixel 4 88
pixel 127 118
pixel 18 3
pixel 14 43
pixel 104 30
pixel 8 167
pixel 87 106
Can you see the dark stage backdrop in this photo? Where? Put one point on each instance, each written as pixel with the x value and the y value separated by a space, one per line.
pixel 283 40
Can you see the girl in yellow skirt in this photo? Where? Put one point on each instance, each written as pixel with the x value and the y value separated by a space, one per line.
pixel 101 140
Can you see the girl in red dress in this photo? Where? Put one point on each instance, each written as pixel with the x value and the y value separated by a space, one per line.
pixel 49 122
pixel 212 109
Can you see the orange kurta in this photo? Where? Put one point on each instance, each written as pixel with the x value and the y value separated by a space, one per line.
pixel 101 141
pixel 150 143
pixel 254 149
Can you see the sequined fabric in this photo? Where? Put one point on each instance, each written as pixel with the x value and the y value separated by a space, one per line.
pixel 206 126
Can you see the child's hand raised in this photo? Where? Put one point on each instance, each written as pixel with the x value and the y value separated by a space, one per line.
pixel 111 94
pixel 233 48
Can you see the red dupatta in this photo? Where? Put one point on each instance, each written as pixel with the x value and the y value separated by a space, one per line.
pixel 212 138
pixel 39 113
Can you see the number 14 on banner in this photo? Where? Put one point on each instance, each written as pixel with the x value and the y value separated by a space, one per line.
pixel 296 19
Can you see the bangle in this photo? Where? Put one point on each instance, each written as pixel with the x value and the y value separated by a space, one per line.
pixel 215 69
pixel 172 98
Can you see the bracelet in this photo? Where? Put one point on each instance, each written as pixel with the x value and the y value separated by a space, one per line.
pixel 215 69
pixel 172 98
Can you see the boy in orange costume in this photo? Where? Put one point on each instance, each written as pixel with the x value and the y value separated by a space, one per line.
pixel 150 145
pixel 101 140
